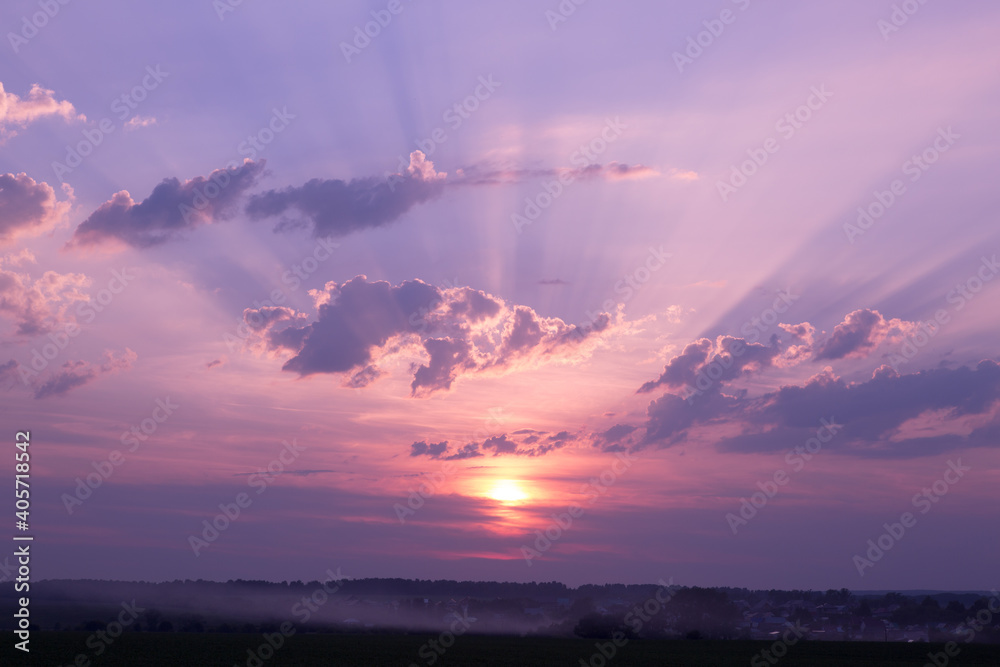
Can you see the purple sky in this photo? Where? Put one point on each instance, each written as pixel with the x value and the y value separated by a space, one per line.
pixel 643 261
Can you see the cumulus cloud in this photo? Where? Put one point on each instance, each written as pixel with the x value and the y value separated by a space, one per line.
pixel 458 331
pixel 17 112
pixel 860 333
pixel 171 209
pixel 75 374
pixel 38 306
pixel 29 208
pixel 337 207
pixel 704 365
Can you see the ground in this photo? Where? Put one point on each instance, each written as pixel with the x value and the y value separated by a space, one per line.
pixel 226 650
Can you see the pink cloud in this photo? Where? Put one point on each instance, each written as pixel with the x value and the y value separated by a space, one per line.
pixel 38 306
pixel 29 208
pixel 17 112
pixel 860 333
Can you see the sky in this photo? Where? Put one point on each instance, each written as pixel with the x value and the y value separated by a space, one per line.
pixel 528 291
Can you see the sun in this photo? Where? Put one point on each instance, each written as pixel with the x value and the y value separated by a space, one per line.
pixel 507 492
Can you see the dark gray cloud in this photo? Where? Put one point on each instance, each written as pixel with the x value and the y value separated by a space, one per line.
pixel 337 208
pixel 459 330
pixel 697 367
pixel 359 318
pixel 945 409
pixel 669 417
pixel 613 438
pixel 448 358
pixel 859 333
pixel 433 450
pixel 682 369
pixel 873 412
pixel 889 415
pixel 498 445
pixel 172 209
pixel 73 374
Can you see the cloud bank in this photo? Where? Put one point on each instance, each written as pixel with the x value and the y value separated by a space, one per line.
pixel 889 415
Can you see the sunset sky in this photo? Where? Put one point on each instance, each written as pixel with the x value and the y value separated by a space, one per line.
pixel 642 260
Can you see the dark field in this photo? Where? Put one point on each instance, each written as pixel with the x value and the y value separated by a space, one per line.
pixel 204 649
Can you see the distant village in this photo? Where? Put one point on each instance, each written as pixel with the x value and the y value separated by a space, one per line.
pixel 551 609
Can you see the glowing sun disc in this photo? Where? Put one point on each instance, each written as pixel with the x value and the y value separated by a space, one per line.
pixel 507 491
